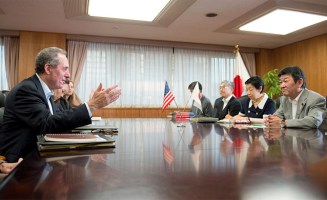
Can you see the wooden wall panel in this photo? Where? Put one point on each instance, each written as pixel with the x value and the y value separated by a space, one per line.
pixel 264 61
pixel 132 112
pixel 310 55
pixel 30 44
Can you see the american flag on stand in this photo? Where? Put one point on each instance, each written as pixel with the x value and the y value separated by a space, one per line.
pixel 168 97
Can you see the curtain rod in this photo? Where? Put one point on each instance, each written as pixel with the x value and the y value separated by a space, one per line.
pixel 171 44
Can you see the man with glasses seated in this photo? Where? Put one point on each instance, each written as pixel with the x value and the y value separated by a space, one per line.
pixel 227 105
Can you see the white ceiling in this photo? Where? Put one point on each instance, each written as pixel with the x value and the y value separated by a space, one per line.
pixel 185 22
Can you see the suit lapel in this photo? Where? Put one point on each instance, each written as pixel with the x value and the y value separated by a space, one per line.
pixel 220 105
pixel 301 104
pixel 230 101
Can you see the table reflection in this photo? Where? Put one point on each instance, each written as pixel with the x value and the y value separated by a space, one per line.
pixel 159 159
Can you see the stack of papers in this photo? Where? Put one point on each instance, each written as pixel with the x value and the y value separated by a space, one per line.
pixel 96 118
pixel 73 137
pixel 54 142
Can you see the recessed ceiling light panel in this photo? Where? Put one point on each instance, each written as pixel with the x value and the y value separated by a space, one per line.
pixel 282 22
pixel 141 10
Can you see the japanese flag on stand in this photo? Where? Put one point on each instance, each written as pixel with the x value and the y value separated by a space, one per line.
pixel 196 97
pixel 241 75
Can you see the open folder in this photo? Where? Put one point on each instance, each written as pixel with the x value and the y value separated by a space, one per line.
pixel 66 141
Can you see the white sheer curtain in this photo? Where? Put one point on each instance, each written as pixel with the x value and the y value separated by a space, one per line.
pixel 3 77
pixel 210 68
pixel 141 72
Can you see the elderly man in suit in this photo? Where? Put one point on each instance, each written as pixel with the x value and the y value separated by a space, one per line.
pixel 299 107
pixel 227 104
pixel 30 111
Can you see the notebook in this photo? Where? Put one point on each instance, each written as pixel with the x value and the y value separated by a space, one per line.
pixel 73 137
pixel 204 119
pixel 55 142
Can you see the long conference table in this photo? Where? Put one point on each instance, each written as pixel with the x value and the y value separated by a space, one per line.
pixel 161 159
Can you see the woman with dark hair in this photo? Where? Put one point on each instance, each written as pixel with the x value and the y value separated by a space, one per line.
pixel 256 104
pixel 60 100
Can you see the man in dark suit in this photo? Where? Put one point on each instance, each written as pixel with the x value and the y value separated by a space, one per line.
pixel 207 108
pixel 30 111
pixel 227 104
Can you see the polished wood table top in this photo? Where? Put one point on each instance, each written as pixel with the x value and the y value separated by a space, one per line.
pixel 160 159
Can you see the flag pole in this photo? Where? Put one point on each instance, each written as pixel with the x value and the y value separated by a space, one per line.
pixel 176 104
pixel 237 49
pixel 186 104
pixel 178 110
pixel 180 115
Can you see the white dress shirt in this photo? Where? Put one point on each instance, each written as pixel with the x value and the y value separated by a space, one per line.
pixel 226 101
pixel 294 104
pixel 47 92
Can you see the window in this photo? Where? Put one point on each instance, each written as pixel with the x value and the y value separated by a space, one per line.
pixel 141 72
pixel 3 78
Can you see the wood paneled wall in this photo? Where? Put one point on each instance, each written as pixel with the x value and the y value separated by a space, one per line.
pixel 133 112
pixel 30 44
pixel 310 55
pixel 264 61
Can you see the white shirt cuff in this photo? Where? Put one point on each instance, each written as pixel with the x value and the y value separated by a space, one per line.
pixel 88 109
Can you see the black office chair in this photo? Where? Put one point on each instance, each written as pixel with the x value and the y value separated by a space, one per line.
pixel 277 102
pixel 2 104
pixel 242 98
pixel 2 99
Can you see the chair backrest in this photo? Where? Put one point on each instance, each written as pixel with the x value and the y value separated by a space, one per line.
pixel 242 98
pixel 2 110
pixel 277 102
pixel 2 99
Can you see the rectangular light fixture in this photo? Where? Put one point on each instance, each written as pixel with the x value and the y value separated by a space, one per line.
pixel 282 22
pixel 140 10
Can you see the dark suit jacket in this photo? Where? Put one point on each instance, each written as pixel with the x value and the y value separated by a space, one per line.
pixel 233 107
pixel 268 108
pixel 27 115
